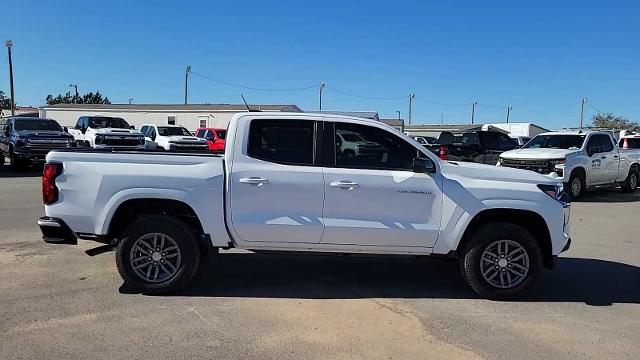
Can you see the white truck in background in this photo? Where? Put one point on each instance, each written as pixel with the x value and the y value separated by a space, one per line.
pixel 102 132
pixel 283 184
pixel 172 138
pixel 580 159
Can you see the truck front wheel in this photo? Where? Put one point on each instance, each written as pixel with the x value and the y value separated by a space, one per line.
pixel 500 260
pixel 157 254
pixel 575 186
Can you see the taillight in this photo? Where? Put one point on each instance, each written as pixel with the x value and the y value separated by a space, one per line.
pixel 49 189
pixel 442 152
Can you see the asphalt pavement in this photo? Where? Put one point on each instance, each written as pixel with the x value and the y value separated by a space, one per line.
pixel 57 302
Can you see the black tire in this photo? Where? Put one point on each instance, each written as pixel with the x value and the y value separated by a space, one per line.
pixel 573 191
pixel 630 185
pixel 485 237
pixel 16 164
pixel 179 233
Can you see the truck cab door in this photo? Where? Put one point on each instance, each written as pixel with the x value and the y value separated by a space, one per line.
pixel 276 191
pixel 375 198
pixel 610 159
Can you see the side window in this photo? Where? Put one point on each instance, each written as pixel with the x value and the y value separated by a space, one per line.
pixel 368 147
pixel 152 132
pixel 144 130
pixel 594 143
pixel 605 143
pixel 210 135
pixel 200 133
pixel 79 124
pixel 282 141
pixel 490 141
pixel 171 120
pixel 505 143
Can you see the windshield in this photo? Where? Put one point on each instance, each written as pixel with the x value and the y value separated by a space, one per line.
pixel 107 122
pixel 221 134
pixel 569 142
pixel 173 130
pixel 37 124
pixel 351 137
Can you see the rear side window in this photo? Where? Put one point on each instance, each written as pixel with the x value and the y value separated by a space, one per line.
pixel 289 142
pixel 632 143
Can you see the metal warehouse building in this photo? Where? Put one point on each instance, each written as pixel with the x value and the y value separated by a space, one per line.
pixel 189 116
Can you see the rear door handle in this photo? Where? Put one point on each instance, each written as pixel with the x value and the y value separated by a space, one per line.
pixel 254 181
pixel 345 184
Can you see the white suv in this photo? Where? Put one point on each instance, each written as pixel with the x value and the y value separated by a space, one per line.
pixel 172 138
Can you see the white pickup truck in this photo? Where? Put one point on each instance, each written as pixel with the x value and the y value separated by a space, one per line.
pixel 102 132
pixel 284 185
pixel 580 159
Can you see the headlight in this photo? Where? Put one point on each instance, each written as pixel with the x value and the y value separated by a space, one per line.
pixel 22 141
pixel 555 191
pixel 99 139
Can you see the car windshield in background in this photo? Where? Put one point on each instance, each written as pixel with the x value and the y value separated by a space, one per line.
pixel 37 124
pixel 351 137
pixel 106 122
pixel 569 142
pixel 222 134
pixel 172 131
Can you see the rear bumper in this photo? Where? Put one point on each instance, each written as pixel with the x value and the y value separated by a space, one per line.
pixel 56 231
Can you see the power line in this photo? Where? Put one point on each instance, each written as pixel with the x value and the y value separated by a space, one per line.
pixel 441 103
pixel 594 108
pixel 492 106
pixel 250 87
pixel 364 97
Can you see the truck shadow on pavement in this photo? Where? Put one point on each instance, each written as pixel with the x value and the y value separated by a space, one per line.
pixel 608 196
pixel 591 281
pixel 7 172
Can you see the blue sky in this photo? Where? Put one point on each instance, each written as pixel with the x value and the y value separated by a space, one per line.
pixel 540 57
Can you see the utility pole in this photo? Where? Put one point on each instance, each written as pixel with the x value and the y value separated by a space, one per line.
pixel 508 112
pixel 130 101
pixel 410 103
pixel 187 70
pixel 9 44
pixel 75 99
pixel 473 111
pixel 441 119
pixel 398 111
pixel 584 100
pixel 321 88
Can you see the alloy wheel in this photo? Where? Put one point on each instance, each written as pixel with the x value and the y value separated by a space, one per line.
pixel 504 264
pixel 155 257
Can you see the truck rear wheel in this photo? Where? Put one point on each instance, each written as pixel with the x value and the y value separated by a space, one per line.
pixel 500 261
pixel 158 254
pixel 631 182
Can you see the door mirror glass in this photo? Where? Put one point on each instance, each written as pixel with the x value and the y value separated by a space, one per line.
pixel 423 166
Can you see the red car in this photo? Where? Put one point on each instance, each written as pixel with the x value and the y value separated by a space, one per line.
pixel 215 137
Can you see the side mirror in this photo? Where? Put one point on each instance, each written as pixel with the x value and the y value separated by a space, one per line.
pixel 65 129
pixel 83 129
pixel 423 166
pixel 593 150
pixel 132 127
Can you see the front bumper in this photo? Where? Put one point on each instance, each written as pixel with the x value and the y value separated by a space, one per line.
pixel 120 147
pixel 56 231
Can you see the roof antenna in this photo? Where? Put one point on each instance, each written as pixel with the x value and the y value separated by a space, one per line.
pixel 247 105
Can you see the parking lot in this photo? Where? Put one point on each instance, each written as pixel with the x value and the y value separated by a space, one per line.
pixel 57 302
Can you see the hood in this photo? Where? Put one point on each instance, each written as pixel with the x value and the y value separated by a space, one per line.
pixel 44 134
pixel 493 173
pixel 537 154
pixel 115 131
pixel 185 138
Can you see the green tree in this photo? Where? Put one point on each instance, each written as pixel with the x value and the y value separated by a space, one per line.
pixel 5 102
pixel 68 98
pixel 611 121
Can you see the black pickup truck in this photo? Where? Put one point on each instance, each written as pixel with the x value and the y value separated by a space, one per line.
pixel 474 146
pixel 26 140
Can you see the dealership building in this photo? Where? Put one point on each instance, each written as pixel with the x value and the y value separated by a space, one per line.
pixel 189 116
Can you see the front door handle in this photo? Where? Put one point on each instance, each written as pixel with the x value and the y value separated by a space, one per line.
pixel 254 181
pixel 345 184
pixel 604 157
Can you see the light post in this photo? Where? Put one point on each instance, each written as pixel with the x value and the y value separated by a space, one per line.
pixel 9 45
pixel 187 70
pixel 75 99
pixel 321 88
pixel 473 111
pixel 509 112
pixel 410 104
